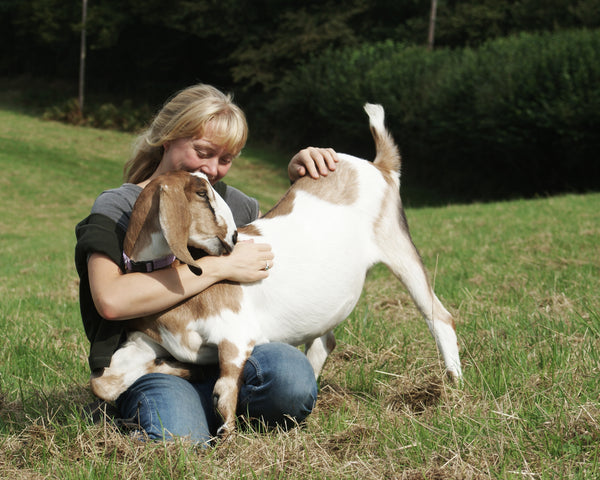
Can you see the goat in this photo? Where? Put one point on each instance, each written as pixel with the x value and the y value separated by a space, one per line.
pixel 325 235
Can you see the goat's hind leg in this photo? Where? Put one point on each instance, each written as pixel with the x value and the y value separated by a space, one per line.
pixel 225 393
pixel 318 350
pixel 404 261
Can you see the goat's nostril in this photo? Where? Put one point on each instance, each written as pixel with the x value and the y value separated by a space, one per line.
pixel 234 237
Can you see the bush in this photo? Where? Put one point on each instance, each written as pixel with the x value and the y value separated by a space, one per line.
pixel 517 116
pixel 125 117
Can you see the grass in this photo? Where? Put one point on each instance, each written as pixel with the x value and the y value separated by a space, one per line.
pixel 521 277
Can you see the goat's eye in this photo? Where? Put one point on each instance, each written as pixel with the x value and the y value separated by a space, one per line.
pixel 202 193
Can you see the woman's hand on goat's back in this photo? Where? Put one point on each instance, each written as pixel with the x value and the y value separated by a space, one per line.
pixel 312 161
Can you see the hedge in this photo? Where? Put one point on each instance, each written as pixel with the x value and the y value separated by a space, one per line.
pixel 518 116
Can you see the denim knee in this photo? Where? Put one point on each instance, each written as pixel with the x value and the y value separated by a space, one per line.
pixel 278 385
pixel 165 406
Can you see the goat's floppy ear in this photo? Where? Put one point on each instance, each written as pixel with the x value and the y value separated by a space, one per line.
pixel 175 219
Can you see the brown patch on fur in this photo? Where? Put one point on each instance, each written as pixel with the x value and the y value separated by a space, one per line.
pixel 227 388
pixel 227 352
pixel 440 313
pixel 251 230
pixel 386 210
pixel 144 219
pixel 284 206
pixel 103 385
pixel 389 176
pixel 448 319
pixel 339 187
pixel 146 325
pixel 170 367
pixel 387 158
pixel 224 295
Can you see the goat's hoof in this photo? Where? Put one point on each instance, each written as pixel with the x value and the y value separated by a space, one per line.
pixel 455 378
pixel 225 431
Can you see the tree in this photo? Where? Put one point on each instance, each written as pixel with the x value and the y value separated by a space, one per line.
pixel 82 56
pixel 431 35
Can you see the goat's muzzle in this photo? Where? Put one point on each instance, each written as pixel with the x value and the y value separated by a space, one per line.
pixel 228 246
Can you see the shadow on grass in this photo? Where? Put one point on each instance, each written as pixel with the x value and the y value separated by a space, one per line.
pixel 55 407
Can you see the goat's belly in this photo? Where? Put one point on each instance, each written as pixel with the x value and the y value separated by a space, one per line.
pixel 299 313
pixel 297 330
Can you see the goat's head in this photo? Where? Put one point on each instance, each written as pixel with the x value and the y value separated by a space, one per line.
pixel 192 214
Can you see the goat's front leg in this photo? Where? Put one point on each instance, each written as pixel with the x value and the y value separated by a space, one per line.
pixel 137 357
pixel 225 394
pixel 318 350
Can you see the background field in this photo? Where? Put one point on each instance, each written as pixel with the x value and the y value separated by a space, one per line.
pixel 522 279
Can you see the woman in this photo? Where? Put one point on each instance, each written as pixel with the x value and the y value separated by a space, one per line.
pixel 199 129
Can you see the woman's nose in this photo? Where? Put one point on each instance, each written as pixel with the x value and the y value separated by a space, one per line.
pixel 209 167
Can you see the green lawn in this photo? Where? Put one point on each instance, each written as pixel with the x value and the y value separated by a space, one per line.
pixel 522 279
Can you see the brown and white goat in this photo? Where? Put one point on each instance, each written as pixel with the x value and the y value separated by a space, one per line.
pixel 325 235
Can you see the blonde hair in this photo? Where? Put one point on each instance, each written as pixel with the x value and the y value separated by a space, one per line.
pixel 188 114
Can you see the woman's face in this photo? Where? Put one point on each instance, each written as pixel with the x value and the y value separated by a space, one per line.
pixel 203 154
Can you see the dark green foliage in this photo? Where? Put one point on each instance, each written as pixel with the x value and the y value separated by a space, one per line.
pixel 517 116
pixel 152 47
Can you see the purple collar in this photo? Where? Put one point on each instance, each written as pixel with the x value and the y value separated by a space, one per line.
pixel 148 266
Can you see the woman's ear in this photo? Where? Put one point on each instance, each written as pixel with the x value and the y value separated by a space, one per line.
pixel 166 145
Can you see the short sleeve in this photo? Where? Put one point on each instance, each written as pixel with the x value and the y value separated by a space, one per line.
pixel 245 209
pixel 98 233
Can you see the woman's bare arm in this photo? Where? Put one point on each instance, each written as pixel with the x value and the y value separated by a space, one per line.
pixel 119 296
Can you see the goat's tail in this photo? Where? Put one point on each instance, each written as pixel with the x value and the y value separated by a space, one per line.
pixel 387 154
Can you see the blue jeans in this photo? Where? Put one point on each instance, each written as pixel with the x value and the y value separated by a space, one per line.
pixel 278 384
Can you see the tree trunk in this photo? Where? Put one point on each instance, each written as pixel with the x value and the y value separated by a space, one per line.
pixel 82 58
pixel 431 36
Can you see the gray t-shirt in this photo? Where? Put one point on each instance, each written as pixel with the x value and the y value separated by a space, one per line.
pixel 117 203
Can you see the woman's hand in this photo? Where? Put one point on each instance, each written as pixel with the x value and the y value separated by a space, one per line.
pixel 312 161
pixel 246 264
